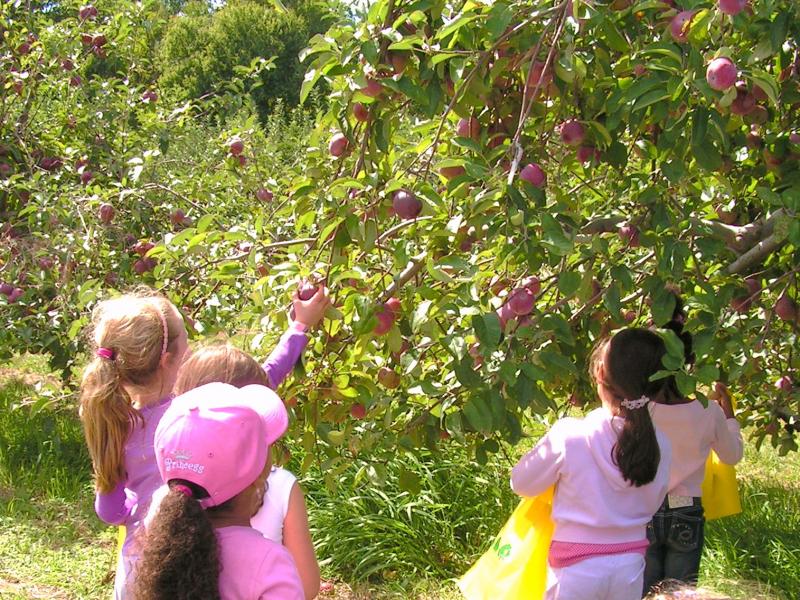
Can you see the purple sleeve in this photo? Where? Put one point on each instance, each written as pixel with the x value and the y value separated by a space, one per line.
pixel 282 360
pixel 115 506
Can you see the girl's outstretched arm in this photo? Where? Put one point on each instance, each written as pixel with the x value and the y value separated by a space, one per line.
pixel 307 315
pixel 297 540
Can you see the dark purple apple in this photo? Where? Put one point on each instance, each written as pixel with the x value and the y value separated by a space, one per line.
pixel 406 204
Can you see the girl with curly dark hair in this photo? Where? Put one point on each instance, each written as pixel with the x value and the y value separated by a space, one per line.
pixel 212 450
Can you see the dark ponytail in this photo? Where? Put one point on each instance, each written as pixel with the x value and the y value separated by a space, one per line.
pixel 180 558
pixel 629 359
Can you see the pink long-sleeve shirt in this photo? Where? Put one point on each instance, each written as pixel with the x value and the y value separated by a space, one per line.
pixel 693 431
pixel 128 503
pixel 592 502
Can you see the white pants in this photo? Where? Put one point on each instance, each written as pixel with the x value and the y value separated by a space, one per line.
pixel 612 577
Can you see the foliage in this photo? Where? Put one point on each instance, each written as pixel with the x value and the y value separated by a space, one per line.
pixel 607 237
pixel 200 53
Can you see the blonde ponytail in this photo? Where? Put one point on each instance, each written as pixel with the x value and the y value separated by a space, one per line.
pixel 129 336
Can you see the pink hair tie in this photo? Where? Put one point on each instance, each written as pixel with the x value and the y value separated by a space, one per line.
pixel 183 489
pixel 106 353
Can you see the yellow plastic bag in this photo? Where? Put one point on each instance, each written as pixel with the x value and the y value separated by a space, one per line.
pixel 515 566
pixel 720 489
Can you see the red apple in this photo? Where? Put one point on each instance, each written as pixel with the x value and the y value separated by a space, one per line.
pixel 338 145
pixel 75 81
pixel 587 154
pixel 394 305
pixel 753 285
pixel 679 26
pixel 406 204
pixel 87 12
pixel 572 132
pixel 142 266
pixel 264 195
pixel 794 137
pixel 358 411
pixel 532 284
pixel 785 384
pixel 521 301
pixel 385 321
pixel 388 378
pixel 469 128
pixel 743 104
pixel 630 235
pixel 241 159
pixel 149 96
pixel 306 290
pixel 99 40
pixel 360 112
pixel 399 60
pixel 639 70
pixel 15 295
pixel 236 146
pixel 46 263
pixel 536 75
pixel 732 7
pixel 67 65
pixel 6 288
pixel 533 174
pixel 721 73
pixel 373 89
pixel 786 308
pixel 142 248
pixel 86 177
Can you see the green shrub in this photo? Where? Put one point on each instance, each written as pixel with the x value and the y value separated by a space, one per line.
pixel 200 52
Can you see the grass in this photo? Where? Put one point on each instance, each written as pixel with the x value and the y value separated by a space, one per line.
pixel 382 543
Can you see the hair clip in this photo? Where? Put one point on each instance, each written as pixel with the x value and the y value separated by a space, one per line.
pixel 634 404
pixel 106 353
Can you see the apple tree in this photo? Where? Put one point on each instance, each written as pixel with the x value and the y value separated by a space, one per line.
pixel 489 189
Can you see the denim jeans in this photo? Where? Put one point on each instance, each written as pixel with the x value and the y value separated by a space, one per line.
pixel 676 544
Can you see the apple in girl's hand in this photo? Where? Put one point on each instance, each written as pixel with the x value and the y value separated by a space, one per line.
pixel 306 290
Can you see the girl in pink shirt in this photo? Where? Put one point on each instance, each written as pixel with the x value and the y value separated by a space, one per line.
pixel 212 451
pixel 610 471
pixel 283 517
pixel 676 533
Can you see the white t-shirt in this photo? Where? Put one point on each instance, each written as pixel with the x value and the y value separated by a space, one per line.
pixel 270 517
pixel 694 430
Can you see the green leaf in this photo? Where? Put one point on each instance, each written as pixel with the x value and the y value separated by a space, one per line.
pixel 487 329
pixel 663 306
pixel 569 282
pixel 420 316
pixel 499 18
pixel 478 414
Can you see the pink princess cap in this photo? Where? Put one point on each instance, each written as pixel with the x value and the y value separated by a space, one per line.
pixel 217 437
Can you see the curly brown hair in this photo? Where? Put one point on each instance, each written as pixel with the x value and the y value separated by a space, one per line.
pixel 180 559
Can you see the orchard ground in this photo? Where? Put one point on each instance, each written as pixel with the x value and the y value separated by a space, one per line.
pixel 372 542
